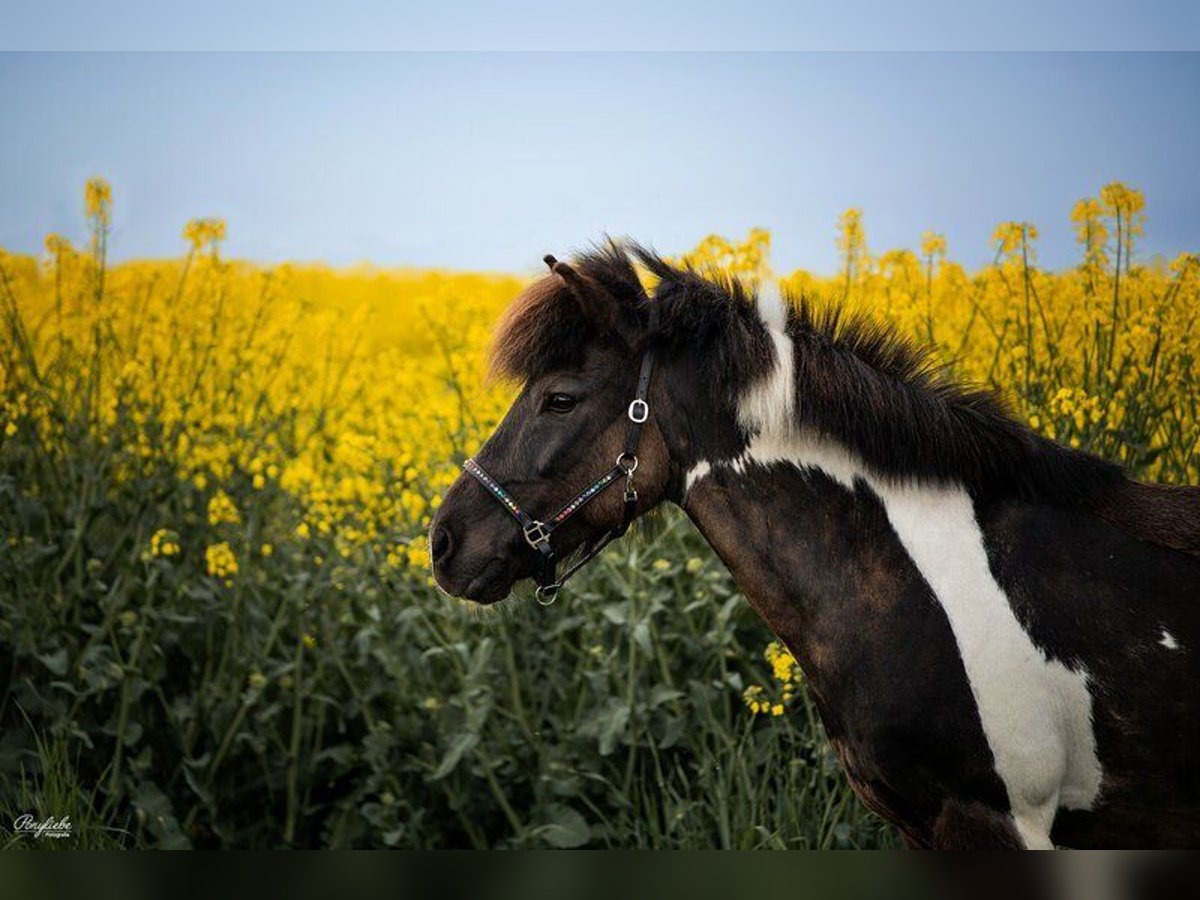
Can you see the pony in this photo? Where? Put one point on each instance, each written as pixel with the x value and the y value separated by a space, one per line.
pixel 1000 633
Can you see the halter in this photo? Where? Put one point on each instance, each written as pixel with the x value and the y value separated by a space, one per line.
pixel 537 533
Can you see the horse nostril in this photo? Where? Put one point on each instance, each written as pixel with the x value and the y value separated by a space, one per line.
pixel 441 543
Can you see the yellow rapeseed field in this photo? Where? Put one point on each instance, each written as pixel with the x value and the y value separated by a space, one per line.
pixel 378 374
pixel 353 390
pixel 205 431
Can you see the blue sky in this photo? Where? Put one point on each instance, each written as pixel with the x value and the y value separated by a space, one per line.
pixel 607 25
pixel 489 160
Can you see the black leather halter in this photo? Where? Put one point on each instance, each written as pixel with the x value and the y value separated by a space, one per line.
pixel 537 532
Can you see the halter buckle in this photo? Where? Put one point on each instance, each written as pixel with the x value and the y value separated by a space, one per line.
pixel 535 533
pixel 628 462
pixel 639 411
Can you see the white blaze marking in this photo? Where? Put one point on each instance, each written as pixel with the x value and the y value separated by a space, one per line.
pixel 1036 713
pixel 1168 640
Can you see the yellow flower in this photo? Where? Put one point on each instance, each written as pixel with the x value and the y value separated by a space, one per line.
pixel 851 236
pixel 266 549
pixel 220 560
pixel 164 543
pixel 417 553
pixel 222 510
pixel 783 665
pixel 256 680
pixel 204 233
pixel 1119 197
pixel 98 200
pixel 56 245
pixel 694 565
pixel 933 244
pixel 1185 261
pixel 309 642
pixel 1010 236
pixel 662 565
pixel 750 696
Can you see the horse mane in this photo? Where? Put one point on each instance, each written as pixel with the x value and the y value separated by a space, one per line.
pixel 858 381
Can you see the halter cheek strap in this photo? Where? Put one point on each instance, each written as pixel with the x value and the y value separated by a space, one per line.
pixel 537 533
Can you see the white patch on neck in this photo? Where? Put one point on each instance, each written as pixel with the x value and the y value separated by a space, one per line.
pixel 770 305
pixel 770 404
pixel 1168 640
pixel 1036 713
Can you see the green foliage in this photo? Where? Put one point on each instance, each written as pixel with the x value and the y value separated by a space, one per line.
pixel 309 703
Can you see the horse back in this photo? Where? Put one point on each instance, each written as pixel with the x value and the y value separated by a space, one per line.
pixel 1163 514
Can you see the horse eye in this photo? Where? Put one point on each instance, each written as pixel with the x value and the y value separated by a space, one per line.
pixel 560 403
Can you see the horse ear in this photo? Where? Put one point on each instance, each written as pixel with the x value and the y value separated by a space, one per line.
pixel 600 307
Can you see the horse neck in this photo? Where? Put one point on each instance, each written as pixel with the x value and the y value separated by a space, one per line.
pixel 829 553
pixel 800 546
pixel 774 531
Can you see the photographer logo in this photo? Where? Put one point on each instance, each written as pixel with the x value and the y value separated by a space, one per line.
pixel 48 828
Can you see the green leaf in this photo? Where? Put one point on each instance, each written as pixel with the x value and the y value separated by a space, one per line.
pixel 662 693
pixel 612 723
pixel 566 828
pixel 56 662
pixel 459 746
pixel 617 613
pixel 641 634
pixel 479 659
pixel 159 817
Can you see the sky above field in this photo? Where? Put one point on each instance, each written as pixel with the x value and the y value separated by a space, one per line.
pixel 490 160
pixel 610 25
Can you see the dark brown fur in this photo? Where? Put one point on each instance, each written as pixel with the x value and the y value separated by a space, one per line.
pixel 1162 513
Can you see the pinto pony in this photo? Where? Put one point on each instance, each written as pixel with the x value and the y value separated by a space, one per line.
pixel 1001 633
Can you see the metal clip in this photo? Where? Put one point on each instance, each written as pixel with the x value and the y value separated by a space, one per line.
pixel 546 594
pixel 628 462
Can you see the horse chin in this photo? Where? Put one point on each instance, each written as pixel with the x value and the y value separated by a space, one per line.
pixel 485 593
pixel 489 585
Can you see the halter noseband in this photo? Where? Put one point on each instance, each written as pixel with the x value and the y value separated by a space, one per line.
pixel 537 533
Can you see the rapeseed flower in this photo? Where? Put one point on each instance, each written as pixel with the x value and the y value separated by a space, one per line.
pixel 220 560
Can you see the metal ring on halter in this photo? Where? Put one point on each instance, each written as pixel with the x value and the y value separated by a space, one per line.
pixel 643 411
pixel 546 594
pixel 621 461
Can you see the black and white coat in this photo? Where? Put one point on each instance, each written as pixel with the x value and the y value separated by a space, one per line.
pixel 992 667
